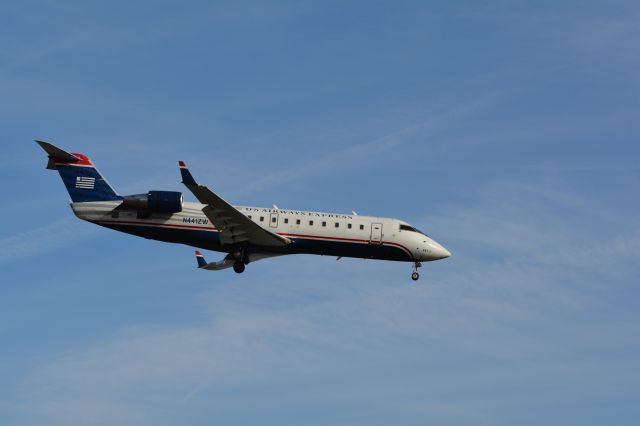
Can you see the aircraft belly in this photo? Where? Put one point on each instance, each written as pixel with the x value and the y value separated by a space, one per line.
pixel 210 240
pixel 349 249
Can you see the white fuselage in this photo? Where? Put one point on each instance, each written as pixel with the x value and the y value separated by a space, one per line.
pixel 335 234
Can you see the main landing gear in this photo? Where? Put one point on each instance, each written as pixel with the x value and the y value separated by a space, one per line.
pixel 238 267
pixel 415 274
pixel 242 259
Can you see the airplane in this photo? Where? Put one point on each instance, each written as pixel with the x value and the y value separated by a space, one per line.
pixel 245 234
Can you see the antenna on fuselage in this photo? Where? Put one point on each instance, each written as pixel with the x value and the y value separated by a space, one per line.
pixel 275 207
pixel 354 212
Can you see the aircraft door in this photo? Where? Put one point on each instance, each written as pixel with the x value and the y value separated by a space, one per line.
pixel 376 233
pixel 273 220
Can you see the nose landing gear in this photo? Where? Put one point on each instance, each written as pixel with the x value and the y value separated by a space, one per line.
pixel 415 274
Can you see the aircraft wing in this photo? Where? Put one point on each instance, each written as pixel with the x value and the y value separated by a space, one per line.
pixel 225 263
pixel 233 225
pixel 228 260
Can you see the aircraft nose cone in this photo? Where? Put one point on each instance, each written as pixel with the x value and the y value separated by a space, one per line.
pixel 437 251
pixel 445 253
pixel 441 252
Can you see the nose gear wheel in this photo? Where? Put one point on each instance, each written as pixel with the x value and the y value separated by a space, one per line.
pixel 415 275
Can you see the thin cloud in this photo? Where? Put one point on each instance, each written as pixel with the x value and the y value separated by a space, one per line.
pixel 508 313
pixel 44 239
pixel 360 155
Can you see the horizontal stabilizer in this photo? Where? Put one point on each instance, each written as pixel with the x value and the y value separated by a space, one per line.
pixel 57 153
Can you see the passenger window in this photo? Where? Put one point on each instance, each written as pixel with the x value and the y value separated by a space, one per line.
pixel 349 225
pixel 286 220
pixel 311 223
pixel 273 219
pixel 297 221
pixel 337 224
pixel 324 223
pixel 361 226
pixel 261 218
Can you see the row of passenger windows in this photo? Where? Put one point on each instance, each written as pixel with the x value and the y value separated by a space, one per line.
pixel 286 220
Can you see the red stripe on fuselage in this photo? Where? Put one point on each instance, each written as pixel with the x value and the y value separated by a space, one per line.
pixel 166 225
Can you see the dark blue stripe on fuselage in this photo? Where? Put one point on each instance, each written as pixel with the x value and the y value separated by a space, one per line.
pixel 211 241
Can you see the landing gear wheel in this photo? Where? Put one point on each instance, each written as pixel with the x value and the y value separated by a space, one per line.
pixel 415 274
pixel 238 267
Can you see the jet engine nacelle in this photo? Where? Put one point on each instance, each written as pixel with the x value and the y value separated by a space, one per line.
pixel 154 202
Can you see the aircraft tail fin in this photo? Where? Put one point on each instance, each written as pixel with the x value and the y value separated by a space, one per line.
pixel 82 180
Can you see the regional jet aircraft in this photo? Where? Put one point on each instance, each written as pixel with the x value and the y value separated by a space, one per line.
pixel 246 234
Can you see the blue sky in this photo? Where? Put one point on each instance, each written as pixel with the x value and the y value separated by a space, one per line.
pixel 508 131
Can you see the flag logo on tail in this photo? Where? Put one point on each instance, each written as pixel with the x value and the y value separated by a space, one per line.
pixel 85 182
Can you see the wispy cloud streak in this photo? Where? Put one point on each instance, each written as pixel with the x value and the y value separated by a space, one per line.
pixel 362 154
pixel 44 239
pixel 504 311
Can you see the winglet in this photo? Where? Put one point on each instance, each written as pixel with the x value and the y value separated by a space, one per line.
pixel 200 258
pixel 187 178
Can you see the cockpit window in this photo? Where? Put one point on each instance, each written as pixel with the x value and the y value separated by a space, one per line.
pixel 409 228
